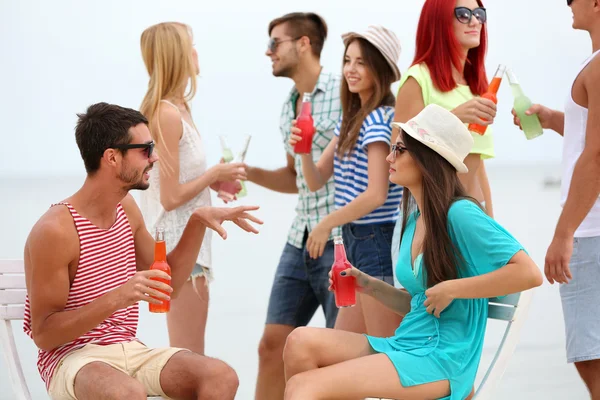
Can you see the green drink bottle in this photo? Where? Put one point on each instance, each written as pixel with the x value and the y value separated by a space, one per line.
pixel 530 123
pixel 241 158
pixel 227 153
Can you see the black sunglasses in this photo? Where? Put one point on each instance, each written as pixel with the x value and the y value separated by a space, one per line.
pixel 464 14
pixel 273 44
pixel 569 2
pixel 148 147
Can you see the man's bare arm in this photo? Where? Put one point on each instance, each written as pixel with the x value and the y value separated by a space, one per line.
pixel 281 180
pixel 183 257
pixel 585 183
pixel 51 246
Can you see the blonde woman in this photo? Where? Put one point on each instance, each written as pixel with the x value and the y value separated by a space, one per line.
pixel 181 182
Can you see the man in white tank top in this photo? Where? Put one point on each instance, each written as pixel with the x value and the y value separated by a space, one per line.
pixel 573 258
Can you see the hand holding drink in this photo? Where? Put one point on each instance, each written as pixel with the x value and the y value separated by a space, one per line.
pixel 232 189
pixel 490 95
pixel 529 123
pixel 344 286
pixel 160 264
pixel 305 127
pixel 295 135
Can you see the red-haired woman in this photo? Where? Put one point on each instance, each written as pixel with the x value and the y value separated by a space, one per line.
pixel 448 70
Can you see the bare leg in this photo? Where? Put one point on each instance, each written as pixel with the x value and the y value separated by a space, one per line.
pixel 100 381
pixel 351 319
pixel 590 373
pixel 368 376
pixel 310 348
pixel 191 376
pixel 187 319
pixel 379 320
pixel 270 384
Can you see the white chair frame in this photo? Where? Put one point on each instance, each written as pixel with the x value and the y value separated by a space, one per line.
pixel 12 307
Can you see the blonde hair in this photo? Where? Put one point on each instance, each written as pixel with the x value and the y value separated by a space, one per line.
pixel 167 53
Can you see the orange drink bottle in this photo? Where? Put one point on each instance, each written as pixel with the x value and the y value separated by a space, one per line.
pixel 491 95
pixel 160 263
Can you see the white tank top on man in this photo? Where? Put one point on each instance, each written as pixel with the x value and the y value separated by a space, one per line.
pixel 575 127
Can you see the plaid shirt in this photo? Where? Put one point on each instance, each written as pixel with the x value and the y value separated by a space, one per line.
pixel 326 111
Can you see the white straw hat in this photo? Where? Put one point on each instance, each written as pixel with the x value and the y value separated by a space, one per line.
pixel 384 40
pixel 441 131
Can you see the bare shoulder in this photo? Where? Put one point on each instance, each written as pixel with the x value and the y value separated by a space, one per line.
pixel 53 235
pixel 133 212
pixel 592 74
pixel 170 119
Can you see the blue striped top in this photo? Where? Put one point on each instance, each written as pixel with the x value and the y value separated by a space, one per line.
pixel 351 171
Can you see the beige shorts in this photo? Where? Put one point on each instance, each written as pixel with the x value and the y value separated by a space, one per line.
pixel 132 358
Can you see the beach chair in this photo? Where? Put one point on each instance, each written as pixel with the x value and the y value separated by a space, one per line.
pixel 12 307
pixel 513 310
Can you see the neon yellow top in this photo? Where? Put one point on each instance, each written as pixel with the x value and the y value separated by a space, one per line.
pixel 483 144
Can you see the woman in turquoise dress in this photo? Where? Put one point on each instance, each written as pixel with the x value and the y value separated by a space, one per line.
pixel 452 258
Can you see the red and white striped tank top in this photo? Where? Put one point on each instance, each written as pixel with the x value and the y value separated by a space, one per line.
pixel 106 261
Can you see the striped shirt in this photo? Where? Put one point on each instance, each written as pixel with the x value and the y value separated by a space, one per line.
pixel 351 172
pixel 312 207
pixel 106 261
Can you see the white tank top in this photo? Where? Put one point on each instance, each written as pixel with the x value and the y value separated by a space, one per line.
pixel 574 141
pixel 192 164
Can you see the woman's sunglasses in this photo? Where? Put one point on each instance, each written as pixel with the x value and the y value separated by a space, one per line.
pixel 148 147
pixel 569 2
pixel 397 149
pixel 464 14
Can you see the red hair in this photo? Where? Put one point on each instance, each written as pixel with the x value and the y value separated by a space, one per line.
pixel 439 49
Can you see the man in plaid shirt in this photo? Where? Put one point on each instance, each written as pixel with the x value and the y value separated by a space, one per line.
pixel 301 283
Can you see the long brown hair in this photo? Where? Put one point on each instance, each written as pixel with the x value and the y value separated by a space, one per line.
pixel 352 111
pixel 441 188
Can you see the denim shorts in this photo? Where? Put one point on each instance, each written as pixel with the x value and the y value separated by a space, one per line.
pixel 200 270
pixel 580 300
pixel 300 287
pixel 368 248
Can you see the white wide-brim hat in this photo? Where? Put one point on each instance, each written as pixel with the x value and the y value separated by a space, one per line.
pixel 384 40
pixel 441 131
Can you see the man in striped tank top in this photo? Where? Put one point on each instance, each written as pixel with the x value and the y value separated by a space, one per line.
pixel 86 264
pixel 573 258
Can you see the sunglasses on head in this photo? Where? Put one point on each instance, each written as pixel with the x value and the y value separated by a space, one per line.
pixel 274 43
pixel 464 14
pixel 148 147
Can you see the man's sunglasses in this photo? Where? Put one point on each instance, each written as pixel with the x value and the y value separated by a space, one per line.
pixel 464 14
pixel 148 147
pixel 273 44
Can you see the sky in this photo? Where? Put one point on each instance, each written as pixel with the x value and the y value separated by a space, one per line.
pixel 59 57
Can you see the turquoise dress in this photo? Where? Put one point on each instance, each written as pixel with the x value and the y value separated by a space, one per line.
pixel 427 349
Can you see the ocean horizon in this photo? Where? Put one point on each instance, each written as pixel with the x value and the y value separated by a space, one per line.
pixel 526 203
